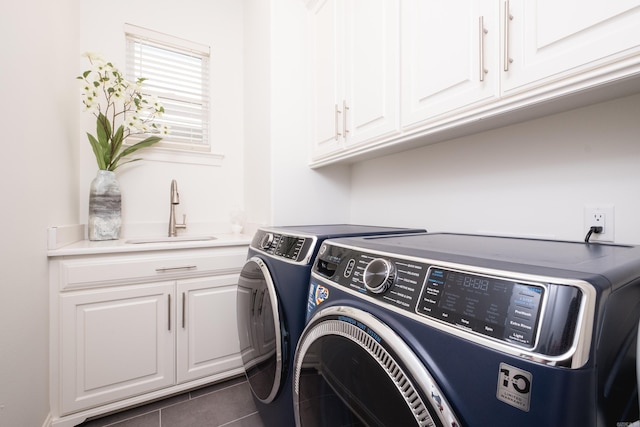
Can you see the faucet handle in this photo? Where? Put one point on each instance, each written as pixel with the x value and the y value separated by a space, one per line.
pixel 184 222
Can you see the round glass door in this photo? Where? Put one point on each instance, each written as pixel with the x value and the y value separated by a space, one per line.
pixel 260 330
pixel 352 370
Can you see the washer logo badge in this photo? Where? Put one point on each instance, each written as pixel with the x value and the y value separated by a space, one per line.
pixel 317 295
pixel 514 386
pixel 322 294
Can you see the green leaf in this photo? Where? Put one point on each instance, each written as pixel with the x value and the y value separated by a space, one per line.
pixel 97 151
pixel 103 132
pixel 105 125
pixel 133 148
pixel 124 163
pixel 116 141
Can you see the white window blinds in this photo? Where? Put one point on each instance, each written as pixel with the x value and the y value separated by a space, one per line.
pixel 177 73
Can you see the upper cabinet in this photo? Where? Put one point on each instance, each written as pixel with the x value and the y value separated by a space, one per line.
pixel 355 49
pixel 547 41
pixel 391 76
pixel 449 57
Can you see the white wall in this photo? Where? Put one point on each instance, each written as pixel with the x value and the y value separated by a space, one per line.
pixel 300 195
pixel 530 179
pixel 208 193
pixel 257 98
pixel 39 186
pixel 281 189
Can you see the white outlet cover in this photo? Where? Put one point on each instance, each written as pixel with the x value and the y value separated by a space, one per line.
pixel 608 234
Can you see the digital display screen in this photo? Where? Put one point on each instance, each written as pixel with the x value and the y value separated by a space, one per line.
pixel 476 296
pixel 495 307
pixel 289 247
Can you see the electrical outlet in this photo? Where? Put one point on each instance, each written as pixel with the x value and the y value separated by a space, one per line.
pixel 600 216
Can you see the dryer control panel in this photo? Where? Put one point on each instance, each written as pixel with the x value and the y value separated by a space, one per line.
pixel 295 248
pixel 513 309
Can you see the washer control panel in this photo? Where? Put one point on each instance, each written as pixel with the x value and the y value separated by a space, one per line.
pixel 499 306
pixel 290 247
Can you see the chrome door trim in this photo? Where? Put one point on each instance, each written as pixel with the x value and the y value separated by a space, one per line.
pixel 277 325
pixel 319 326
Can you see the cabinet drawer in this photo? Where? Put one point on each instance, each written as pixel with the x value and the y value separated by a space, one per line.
pixel 94 271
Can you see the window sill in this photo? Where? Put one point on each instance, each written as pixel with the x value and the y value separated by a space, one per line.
pixel 169 155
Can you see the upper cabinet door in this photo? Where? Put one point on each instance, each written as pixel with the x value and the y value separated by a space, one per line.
pixel 548 40
pixel 371 102
pixel 449 57
pixel 354 69
pixel 327 45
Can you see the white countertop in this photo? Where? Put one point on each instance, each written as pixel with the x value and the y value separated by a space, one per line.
pixel 87 247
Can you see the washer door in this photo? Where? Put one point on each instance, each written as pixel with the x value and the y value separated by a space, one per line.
pixel 261 330
pixel 351 369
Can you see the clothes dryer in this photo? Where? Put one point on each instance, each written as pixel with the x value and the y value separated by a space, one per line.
pixel 466 330
pixel 271 303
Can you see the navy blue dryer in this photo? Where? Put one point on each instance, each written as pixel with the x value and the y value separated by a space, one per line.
pixel 475 331
pixel 272 295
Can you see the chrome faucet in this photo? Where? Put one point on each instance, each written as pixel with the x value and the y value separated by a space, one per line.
pixel 175 200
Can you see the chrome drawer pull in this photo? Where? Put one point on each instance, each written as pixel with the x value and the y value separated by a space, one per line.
pixel 169 269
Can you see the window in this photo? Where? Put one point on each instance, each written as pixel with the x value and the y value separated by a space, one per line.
pixel 177 73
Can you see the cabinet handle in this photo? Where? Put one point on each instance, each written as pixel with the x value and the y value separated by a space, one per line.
pixel 337 112
pixel 344 118
pixel 169 312
pixel 170 269
pixel 184 306
pixel 507 17
pixel 483 31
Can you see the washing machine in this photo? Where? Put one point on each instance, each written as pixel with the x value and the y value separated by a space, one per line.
pixel 461 330
pixel 271 307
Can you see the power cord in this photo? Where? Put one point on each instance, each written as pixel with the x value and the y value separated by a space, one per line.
pixel 594 229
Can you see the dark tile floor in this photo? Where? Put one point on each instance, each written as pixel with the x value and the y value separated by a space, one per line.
pixel 227 404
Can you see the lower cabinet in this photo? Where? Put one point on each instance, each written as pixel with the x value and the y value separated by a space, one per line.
pixel 207 336
pixel 115 344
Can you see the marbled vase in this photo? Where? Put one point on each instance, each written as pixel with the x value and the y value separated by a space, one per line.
pixel 105 217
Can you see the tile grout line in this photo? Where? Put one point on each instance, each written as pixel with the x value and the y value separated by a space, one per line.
pixel 237 419
pixel 212 392
pixel 197 397
pixel 142 414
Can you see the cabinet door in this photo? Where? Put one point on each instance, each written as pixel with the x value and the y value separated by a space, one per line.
pixel 371 107
pixel 326 22
pixel 207 327
pixel 449 57
pixel 115 343
pixel 550 40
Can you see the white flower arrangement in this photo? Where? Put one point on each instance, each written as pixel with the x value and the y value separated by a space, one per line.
pixel 113 99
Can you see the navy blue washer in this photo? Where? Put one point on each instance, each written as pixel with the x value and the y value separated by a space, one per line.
pixel 417 330
pixel 272 296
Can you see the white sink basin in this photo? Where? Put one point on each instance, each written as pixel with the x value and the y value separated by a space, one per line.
pixel 169 239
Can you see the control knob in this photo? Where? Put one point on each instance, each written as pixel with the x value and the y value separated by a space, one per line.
pixel 266 241
pixel 379 275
